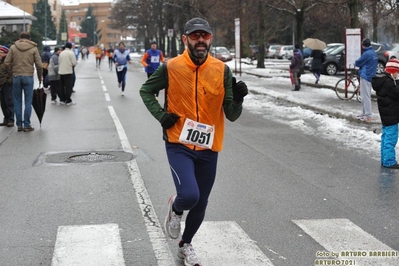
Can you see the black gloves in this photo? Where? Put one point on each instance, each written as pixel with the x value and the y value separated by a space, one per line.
pixel 240 90
pixel 168 120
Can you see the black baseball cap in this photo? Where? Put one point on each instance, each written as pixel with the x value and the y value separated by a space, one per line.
pixel 197 24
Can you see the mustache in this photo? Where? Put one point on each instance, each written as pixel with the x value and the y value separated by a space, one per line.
pixel 200 44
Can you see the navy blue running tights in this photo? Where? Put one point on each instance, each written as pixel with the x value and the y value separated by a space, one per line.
pixel 194 175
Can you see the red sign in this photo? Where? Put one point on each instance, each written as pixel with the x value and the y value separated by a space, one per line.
pixel 81 35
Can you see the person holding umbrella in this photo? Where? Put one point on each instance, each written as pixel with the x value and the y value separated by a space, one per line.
pixel 22 58
pixel 317 47
pixel 317 63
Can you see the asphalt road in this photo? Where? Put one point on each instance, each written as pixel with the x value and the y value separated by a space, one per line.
pixel 274 182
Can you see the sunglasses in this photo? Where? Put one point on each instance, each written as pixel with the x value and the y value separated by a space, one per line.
pixel 196 35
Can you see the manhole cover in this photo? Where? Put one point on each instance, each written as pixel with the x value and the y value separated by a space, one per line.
pixel 85 157
pixel 92 157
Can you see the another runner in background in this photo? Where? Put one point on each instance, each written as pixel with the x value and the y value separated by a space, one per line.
pixel 152 59
pixel 98 52
pixel 110 54
pixel 121 58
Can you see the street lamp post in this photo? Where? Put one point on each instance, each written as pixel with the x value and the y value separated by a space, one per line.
pixel 95 35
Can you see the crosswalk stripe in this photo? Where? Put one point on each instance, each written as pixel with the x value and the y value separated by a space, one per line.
pixel 347 242
pixel 226 243
pixel 88 245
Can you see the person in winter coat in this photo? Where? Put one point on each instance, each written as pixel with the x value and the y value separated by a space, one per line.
pixel 367 64
pixel 6 96
pixel 53 75
pixel 295 68
pixel 23 57
pixel 45 57
pixel 387 90
pixel 317 63
pixel 67 61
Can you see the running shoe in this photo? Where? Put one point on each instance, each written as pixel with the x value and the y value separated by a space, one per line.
pixel 172 221
pixel 187 253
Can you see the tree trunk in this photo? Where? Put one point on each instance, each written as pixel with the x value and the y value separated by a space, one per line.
pixel 354 14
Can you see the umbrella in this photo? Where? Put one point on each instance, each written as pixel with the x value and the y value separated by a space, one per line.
pixel 292 78
pixel 314 44
pixel 39 103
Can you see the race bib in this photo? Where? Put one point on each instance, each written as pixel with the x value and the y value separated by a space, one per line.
pixel 197 134
pixel 119 68
pixel 155 59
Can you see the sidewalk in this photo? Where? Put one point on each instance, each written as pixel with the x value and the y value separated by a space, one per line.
pixel 274 81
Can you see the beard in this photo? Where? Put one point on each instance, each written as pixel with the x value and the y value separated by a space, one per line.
pixel 196 52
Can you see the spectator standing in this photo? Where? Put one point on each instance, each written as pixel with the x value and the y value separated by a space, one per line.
pixel 76 50
pixel 367 64
pixel 317 63
pixel 45 57
pixel 152 59
pixel 295 68
pixel 193 161
pixel 23 57
pixel 387 90
pixel 67 61
pixel 6 95
pixel 53 75
pixel 301 67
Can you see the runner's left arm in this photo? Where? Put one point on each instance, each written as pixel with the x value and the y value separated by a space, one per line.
pixel 232 110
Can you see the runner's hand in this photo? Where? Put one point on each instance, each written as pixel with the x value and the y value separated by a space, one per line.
pixel 240 90
pixel 168 120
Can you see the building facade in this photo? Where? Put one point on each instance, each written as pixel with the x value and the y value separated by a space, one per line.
pixel 76 13
pixel 13 18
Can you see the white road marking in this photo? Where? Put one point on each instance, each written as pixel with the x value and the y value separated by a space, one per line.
pixel 107 98
pixel 226 243
pixel 104 88
pixel 154 228
pixel 88 245
pixel 340 236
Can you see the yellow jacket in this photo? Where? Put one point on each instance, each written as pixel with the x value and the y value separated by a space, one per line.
pixel 201 93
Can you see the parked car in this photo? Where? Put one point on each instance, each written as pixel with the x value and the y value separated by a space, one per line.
pixel 285 52
pixel 394 53
pixel 254 50
pixel 221 53
pixel 272 50
pixel 335 59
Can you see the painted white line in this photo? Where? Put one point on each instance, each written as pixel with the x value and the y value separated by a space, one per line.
pixel 346 240
pixel 104 88
pixel 154 228
pixel 88 245
pixel 226 243
pixel 107 98
pixel 101 79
